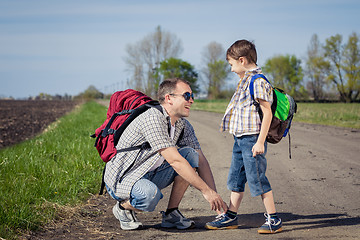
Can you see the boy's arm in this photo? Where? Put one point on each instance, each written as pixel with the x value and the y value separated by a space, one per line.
pixel 259 146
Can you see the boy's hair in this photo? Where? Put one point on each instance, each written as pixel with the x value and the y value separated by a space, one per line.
pixel 168 86
pixel 242 48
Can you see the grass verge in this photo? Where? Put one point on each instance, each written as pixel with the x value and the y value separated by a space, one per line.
pixel 332 114
pixel 41 177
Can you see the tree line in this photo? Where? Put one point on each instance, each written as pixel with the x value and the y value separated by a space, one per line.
pixel 331 70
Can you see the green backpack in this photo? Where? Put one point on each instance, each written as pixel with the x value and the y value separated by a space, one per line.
pixel 283 108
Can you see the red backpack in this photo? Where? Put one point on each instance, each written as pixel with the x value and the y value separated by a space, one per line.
pixel 124 107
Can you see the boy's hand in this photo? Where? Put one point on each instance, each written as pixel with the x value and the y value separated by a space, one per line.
pixel 258 148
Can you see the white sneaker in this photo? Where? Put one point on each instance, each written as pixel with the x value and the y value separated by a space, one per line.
pixel 176 219
pixel 127 218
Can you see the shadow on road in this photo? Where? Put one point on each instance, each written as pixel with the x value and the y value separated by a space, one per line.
pixel 291 222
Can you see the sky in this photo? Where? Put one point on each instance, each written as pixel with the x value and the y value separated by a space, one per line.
pixel 64 46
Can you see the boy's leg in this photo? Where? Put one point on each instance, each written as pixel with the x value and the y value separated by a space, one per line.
pixel 235 200
pixel 237 176
pixel 273 223
pixel 268 200
pixel 255 167
pixel 260 185
pixel 236 183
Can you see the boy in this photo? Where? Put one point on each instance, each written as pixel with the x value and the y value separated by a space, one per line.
pixel 242 120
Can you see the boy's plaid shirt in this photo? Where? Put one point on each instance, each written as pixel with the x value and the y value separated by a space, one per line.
pixel 241 116
pixel 151 126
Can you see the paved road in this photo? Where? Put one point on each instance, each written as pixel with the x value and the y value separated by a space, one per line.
pixel 316 192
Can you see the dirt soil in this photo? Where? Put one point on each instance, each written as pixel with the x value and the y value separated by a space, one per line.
pixel 316 192
pixel 21 120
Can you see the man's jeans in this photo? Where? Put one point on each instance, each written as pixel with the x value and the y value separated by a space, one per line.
pixel 145 194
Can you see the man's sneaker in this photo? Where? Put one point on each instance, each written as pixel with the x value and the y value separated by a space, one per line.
pixel 127 218
pixel 176 219
pixel 222 221
pixel 271 225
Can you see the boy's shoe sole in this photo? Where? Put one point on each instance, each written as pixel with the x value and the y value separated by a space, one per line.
pixel 217 228
pixel 223 221
pixel 263 231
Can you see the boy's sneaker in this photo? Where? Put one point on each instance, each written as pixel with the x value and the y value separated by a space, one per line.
pixel 222 221
pixel 127 218
pixel 272 225
pixel 176 219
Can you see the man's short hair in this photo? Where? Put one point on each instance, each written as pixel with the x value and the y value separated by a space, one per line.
pixel 242 48
pixel 168 86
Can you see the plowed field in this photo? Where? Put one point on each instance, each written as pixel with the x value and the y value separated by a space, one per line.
pixel 21 120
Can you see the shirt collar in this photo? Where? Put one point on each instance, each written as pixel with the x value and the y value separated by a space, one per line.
pixel 246 78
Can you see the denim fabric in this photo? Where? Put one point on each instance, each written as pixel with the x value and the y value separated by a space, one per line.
pixel 145 194
pixel 246 168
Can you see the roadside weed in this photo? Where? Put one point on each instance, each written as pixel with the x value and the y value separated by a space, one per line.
pixel 57 168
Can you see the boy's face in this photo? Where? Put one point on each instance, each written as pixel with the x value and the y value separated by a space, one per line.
pixel 237 66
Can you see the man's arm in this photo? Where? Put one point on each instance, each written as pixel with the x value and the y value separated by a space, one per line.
pixel 183 168
pixel 205 172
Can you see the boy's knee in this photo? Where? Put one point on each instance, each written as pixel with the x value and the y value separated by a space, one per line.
pixel 191 155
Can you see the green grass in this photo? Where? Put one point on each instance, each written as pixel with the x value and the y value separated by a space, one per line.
pixel 60 168
pixel 333 114
pixel 218 105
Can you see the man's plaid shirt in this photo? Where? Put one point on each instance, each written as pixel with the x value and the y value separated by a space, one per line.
pixel 151 126
pixel 241 116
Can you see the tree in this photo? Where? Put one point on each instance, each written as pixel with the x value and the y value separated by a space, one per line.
pixel 286 73
pixel 177 68
pixel 316 69
pixel 216 70
pixel 144 58
pixel 345 65
pixel 91 93
pixel 352 67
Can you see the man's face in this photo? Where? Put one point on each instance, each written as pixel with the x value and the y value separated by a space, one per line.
pixel 181 107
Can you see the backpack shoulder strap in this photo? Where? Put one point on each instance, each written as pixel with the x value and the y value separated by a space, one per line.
pixel 155 104
pixel 251 85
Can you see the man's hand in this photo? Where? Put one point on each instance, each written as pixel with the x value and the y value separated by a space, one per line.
pixel 215 200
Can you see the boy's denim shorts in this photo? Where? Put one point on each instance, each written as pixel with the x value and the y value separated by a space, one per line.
pixel 145 194
pixel 246 168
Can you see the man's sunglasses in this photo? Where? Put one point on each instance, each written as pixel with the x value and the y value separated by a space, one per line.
pixel 186 95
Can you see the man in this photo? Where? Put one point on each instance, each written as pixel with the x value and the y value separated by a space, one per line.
pixel 136 184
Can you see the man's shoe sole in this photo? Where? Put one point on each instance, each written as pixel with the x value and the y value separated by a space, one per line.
pixel 219 228
pixel 123 226
pixel 270 231
pixel 172 225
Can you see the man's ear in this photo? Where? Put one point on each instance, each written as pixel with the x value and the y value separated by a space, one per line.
pixel 168 99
